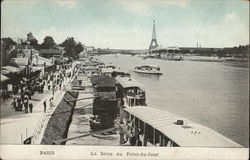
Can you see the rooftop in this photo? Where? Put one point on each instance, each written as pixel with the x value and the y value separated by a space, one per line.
pixel 103 81
pixel 10 69
pixel 127 82
pixel 50 51
pixel 190 134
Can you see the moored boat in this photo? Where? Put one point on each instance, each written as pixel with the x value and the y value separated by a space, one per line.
pixel 148 69
pixel 131 92
pixel 105 102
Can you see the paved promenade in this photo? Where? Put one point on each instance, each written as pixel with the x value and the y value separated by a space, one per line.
pixel 17 126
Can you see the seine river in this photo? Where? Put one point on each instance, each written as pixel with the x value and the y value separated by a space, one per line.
pixel 214 94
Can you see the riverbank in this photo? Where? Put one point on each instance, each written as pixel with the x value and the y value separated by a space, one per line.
pixel 57 127
pixel 214 59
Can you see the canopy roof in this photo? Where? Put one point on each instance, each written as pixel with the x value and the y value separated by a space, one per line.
pixel 103 81
pixel 4 78
pixel 127 82
pixel 11 69
pixel 189 134
pixel 151 66
pixel 50 51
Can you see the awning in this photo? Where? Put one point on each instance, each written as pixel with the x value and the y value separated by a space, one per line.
pixel 4 78
pixel 12 69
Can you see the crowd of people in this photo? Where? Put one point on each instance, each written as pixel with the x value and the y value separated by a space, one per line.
pixel 21 102
pixel 22 92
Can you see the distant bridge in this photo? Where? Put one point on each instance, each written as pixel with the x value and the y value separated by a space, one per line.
pixel 144 51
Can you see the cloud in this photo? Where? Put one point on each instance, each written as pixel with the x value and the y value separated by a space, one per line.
pixel 143 7
pixel 66 3
pixel 230 31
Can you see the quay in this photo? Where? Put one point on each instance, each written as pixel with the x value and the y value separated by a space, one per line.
pixel 16 127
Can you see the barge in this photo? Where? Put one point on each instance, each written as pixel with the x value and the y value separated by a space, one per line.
pixel 131 92
pixel 105 102
pixel 146 126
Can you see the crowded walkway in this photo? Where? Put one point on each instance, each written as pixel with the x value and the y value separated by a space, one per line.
pixel 20 121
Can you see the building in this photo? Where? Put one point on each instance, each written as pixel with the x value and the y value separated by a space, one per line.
pixel 54 54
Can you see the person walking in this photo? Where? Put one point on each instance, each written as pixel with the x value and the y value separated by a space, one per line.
pixel 44 105
pixel 30 107
pixel 26 103
pixel 14 103
pixel 4 97
pixel 42 88
pixel 22 97
pixel 51 102
pixel 19 104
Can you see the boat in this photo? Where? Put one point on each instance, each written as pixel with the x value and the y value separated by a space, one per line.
pixel 148 69
pixel 167 53
pixel 131 92
pixel 117 72
pixel 105 102
pixel 155 127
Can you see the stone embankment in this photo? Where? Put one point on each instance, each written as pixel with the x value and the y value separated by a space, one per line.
pixel 58 125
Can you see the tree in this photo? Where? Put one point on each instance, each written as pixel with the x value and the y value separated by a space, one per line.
pixel 32 40
pixel 78 48
pixel 71 48
pixel 48 43
pixel 6 56
pixel 8 42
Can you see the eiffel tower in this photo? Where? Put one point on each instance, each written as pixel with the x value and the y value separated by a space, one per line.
pixel 153 43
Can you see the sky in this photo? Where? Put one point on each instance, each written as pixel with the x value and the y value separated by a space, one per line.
pixel 127 24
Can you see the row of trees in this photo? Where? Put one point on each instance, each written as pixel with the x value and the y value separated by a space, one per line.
pixel 71 47
pixel 240 51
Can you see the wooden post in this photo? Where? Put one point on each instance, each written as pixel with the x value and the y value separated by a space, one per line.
pixel 154 137
pixel 160 139
pixel 121 112
pixel 144 142
pixel 164 141
pixel 21 138
pixel 26 133
pixel 121 122
pixel 121 136
pixel 136 131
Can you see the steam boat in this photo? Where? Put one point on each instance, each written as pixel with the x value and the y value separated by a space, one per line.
pixel 148 69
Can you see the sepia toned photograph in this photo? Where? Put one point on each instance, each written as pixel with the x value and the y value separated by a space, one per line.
pixel 124 74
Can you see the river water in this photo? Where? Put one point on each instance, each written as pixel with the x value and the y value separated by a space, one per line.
pixel 214 94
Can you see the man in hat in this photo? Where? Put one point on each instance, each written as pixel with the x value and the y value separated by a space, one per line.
pixel 44 105
pixel 30 107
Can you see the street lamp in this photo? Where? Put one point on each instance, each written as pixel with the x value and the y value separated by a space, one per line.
pixel 29 66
